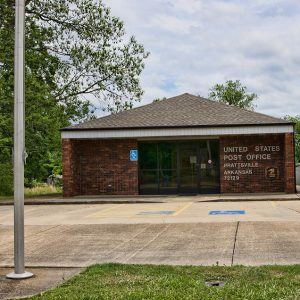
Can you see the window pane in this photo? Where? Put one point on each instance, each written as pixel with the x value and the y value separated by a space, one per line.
pixel 167 155
pixel 188 167
pixel 209 167
pixel 168 181
pixel 148 182
pixel 148 156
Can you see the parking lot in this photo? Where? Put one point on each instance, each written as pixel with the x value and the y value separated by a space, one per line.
pixel 226 233
pixel 169 212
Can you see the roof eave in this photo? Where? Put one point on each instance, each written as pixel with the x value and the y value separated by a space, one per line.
pixel 169 127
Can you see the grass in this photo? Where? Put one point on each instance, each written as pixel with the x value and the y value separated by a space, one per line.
pixel 116 281
pixel 41 190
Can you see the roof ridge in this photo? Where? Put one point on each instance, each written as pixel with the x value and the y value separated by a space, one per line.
pixel 238 108
pixel 180 111
pixel 128 110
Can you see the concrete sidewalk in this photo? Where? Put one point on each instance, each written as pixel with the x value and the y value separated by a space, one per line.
pixel 44 279
pixel 229 243
pixel 155 199
pixel 55 253
pixel 61 239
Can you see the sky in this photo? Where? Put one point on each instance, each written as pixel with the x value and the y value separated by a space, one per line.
pixel 195 44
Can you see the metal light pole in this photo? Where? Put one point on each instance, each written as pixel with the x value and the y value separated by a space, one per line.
pixel 19 144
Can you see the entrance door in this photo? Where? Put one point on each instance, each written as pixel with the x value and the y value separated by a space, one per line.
pixel 199 167
pixel 188 168
pixel 172 167
pixel 209 177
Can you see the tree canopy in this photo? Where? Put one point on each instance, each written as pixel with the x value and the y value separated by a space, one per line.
pixel 78 58
pixel 296 120
pixel 233 93
pixel 159 99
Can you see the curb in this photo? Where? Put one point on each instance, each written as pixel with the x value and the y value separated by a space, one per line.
pixel 5 203
pixel 249 200
pixel 82 202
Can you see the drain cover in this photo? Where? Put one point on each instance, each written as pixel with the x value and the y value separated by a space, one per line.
pixel 215 283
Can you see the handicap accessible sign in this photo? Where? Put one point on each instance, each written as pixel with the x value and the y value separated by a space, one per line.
pixel 133 155
pixel 227 212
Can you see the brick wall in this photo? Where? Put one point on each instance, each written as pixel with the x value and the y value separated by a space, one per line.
pixel 290 185
pixel 70 168
pixel 95 167
pixel 261 163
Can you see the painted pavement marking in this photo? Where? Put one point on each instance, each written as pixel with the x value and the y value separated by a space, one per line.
pixel 179 211
pixel 159 212
pixel 227 212
pixel 172 213
pixel 274 204
pixel 102 212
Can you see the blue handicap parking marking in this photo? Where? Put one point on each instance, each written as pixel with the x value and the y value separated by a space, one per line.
pixel 227 212
pixel 133 155
pixel 160 212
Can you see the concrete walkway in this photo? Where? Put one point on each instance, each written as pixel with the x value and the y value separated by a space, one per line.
pixel 266 232
pixel 61 239
pixel 44 279
pixel 247 243
pixel 58 252
pixel 154 199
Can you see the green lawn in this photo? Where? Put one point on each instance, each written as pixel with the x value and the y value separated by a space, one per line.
pixel 116 281
pixel 42 190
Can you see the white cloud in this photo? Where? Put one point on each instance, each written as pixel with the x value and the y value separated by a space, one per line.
pixel 172 24
pixel 186 6
pixel 197 43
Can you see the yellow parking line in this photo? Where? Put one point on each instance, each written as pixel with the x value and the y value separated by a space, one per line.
pixel 273 203
pixel 176 213
pixel 100 213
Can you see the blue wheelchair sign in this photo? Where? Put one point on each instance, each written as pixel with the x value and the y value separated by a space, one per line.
pixel 227 212
pixel 133 155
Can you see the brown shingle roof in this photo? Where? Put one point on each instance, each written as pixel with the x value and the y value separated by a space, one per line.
pixel 185 110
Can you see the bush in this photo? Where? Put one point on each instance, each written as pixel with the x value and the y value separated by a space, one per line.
pixel 6 179
pixel 42 189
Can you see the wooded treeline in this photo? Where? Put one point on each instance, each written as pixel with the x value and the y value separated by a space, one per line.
pixel 78 59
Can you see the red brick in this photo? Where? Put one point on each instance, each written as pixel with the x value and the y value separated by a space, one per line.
pixel 103 167
pixel 289 156
pixel 99 167
pixel 257 182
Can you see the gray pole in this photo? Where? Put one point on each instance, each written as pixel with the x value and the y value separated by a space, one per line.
pixel 19 144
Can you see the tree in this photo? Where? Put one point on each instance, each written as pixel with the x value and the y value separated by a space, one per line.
pixel 233 93
pixel 296 120
pixel 95 60
pixel 77 58
pixel 159 99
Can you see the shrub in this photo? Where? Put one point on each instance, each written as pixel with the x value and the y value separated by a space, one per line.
pixel 6 179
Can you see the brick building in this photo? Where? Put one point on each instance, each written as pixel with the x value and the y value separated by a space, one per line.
pixel 181 145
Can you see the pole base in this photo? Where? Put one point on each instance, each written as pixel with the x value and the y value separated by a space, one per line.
pixel 14 275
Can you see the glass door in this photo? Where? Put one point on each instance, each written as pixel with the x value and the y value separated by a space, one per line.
pixel 148 168
pixel 167 172
pixel 171 167
pixel 209 177
pixel 188 168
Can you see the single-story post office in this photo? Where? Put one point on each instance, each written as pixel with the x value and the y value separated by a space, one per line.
pixel 181 145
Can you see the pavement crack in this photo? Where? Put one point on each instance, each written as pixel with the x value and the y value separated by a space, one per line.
pixel 292 209
pixel 126 242
pixel 42 231
pixel 147 244
pixel 234 244
pixel 297 211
